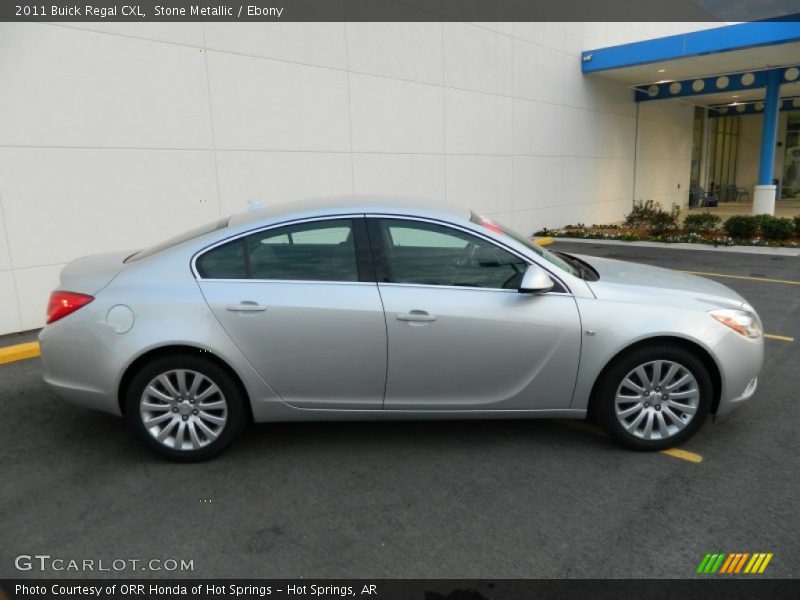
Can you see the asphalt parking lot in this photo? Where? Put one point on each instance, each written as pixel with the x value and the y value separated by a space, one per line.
pixel 498 499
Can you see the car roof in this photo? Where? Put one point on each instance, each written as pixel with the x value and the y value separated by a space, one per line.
pixel 333 205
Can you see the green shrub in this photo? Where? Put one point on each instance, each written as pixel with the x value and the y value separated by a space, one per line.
pixel 648 214
pixel 741 226
pixel 797 224
pixel 775 228
pixel 642 214
pixel 759 220
pixel 700 222
pixel 665 221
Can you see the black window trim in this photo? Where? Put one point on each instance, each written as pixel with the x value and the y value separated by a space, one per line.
pixel 364 262
pixel 383 271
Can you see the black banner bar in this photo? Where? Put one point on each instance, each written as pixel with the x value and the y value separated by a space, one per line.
pixel 713 587
pixel 396 10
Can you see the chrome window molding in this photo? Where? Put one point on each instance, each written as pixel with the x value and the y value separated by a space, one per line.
pixel 399 217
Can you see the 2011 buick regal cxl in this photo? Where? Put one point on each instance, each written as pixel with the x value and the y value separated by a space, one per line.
pixel 388 309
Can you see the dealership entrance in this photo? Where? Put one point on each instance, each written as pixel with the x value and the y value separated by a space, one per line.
pixel 744 82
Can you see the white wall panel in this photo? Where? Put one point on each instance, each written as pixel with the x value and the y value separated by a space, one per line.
pixel 319 44
pixel 262 104
pixel 278 177
pixel 81 88
pixel 537 181
pixel 538 72
pixel 477 123
pixel 5 257
pixel 60 204
pixel 395 116
pixel 550 35
pixel 480 183
pixel 185 34
pixel 477 59
pixel 411 51
pixel 411 175
pixel 665 147
pixel 10 320
pixel 538 128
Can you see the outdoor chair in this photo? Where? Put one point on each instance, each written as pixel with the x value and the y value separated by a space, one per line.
pixel 742 192
pixel 699 198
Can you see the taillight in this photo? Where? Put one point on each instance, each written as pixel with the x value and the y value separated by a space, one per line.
pixel 65 303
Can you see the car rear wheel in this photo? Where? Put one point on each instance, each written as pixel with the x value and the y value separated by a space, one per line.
pixel 186 408
pixel 654 397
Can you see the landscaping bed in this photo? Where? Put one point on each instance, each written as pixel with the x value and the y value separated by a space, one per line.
pixel 649 222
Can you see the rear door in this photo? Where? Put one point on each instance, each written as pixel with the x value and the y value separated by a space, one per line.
pixel 461 337
pixel 301 303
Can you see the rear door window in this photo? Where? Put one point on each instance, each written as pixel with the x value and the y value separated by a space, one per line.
pixel 312 251
pixel 317 251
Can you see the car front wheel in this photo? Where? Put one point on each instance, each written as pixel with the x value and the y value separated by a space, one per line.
pixel 185 407
pixel 654 397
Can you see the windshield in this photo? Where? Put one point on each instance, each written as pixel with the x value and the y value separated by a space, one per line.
pixel 545 254
pixel 178 239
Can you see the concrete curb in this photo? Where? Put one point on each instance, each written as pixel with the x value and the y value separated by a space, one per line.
pixel 18 352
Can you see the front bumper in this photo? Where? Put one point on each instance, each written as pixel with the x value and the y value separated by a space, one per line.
pixel 731 404
pixel 740 361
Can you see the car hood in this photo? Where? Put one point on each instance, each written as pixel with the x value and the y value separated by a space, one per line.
pixel 659 285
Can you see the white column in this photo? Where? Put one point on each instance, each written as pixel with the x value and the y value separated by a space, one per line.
pixel 764 199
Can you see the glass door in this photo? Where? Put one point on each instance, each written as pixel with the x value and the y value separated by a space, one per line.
pixel 697 147
pixel 790 184
pixel 723 146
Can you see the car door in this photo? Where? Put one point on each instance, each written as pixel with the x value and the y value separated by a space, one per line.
pixel 301 303
pixel 461 337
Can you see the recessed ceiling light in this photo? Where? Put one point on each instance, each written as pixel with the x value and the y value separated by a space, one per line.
pixel 734 96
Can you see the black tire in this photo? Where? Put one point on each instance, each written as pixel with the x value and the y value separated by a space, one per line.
pixel 236 413
pixel 604 405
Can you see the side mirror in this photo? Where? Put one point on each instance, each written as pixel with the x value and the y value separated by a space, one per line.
pixel 535 281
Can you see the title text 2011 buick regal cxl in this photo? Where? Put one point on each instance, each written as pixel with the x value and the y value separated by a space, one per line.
pixel 388 309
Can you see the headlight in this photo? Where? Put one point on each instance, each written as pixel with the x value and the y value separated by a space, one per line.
pixel 741 321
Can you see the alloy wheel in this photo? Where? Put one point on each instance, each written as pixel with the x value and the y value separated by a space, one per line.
pixel 183 409
pixel 657 399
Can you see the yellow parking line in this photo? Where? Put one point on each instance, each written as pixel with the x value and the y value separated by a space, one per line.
pixel 673 452
pixel 17 352
pixel 781 338
pixel 543 241
pixel 683 454
pixel 745 277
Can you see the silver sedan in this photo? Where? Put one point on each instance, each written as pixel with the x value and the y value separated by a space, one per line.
pixel 331 309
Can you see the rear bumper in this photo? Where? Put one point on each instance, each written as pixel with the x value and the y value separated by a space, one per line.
pixel 78 366
pixel 83 396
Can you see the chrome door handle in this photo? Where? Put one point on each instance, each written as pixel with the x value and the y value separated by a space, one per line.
pixel 416 316
pixel 246 306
